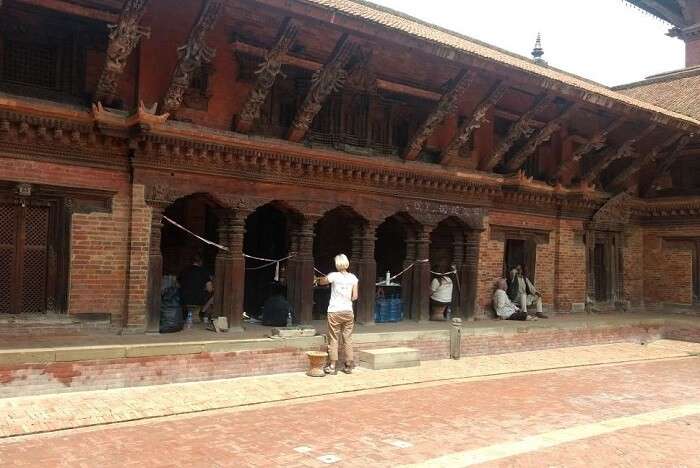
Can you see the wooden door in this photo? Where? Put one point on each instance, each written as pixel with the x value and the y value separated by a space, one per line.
pixel 24 256
pixel 600 272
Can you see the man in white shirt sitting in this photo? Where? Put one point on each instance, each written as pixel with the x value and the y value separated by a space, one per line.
pixel 502 305
pixel 523 293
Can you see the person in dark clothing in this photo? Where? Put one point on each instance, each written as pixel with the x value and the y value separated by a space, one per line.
pixel 276 308
pixel 195 288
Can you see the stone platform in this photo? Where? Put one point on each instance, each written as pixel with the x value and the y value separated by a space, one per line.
pixel 99 360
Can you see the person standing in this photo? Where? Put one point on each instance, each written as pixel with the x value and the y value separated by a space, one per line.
pixel 195 288
pixel 341 319
pixel 440 297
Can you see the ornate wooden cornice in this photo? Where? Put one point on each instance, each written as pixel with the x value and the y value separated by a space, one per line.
pixel 445 107
pixel 464 133
pixel 595 143
pixel 325 81
pixel 544 135
pixel 626 176
pixel 192 55
pixel 608 157
pixel 123 39
pixel 522 127
pixel 267 73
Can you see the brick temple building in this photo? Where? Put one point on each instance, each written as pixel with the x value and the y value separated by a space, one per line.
pixel 312 127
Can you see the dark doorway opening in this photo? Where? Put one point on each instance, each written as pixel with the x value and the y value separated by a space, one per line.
pixel 520 252
pixel 600 270
pixel 266 237
pixel 198 214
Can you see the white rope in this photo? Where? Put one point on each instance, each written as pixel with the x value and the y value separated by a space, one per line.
pixel 271 260
pixel 195 235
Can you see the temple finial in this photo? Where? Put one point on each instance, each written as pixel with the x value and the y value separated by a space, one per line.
pixel 538 52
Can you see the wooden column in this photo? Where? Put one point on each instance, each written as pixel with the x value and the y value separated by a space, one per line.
pixel 367 274
pixel 302 269
pixel 230 269
pixel 420 295
pixel 407 278
pixel 292 269
pixel 155 270
pixel 458 262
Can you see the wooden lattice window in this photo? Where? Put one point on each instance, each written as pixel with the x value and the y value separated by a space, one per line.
pixel 31 64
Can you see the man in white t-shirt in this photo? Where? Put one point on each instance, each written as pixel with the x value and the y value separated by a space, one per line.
pixel 341 319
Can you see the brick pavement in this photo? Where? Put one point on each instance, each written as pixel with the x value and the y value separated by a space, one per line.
pixel 408 425
pixel 27 415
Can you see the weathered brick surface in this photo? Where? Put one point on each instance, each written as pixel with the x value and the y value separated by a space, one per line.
pixel 17 380
pixel 668 269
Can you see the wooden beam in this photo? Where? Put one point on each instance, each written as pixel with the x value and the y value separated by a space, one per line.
pixel 541 137
pixel 514 117
pixel 192 55
pixel 73 9
pixel 311 65
pixel 611 155
pixel 522 127
pixel 123 39
pixel 267 74
pixel 445 107
pixel 664 165
pixel 595 143
pixel 325 81
pixel 627 174
pixel 478 117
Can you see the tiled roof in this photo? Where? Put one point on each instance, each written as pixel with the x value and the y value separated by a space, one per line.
pixel 403 23
pixel 679 91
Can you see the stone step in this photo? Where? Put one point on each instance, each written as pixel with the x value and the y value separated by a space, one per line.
pixel 389 358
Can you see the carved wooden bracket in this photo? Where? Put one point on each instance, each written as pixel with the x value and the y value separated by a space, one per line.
pixel 325 81
pixel 523 127
pixel 445 107
pixel 267 73
pixel 431 214
pixel 626 176
pixel 544 135
pixel 608 157
pixel 123 39
pixel 192 55
pixel 614 215
pixel 595 143
pixel 501 233
pixel 465 131
pixel 118 124
pixel 664 165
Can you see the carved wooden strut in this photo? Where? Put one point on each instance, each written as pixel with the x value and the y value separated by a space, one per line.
pixel 324 82
pixel 543 136
pixel 664 165
pixel 595 143
pixel 192 55
pixel 445 107
pixel 466 130
pixel 523 127
pixel 267 73
pixel 123 39
pixel 625 176
pixel 610 156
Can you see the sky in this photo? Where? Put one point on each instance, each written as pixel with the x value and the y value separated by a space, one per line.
pixel 606 41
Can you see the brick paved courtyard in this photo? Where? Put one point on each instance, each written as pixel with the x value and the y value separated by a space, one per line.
pixel 609 405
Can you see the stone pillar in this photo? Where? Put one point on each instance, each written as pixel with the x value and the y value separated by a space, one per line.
pixel 469 274
pixel 155 269
pixel 420 295
pixel 367 273
pixel 407 278
pixel 230 269
pixel 302 269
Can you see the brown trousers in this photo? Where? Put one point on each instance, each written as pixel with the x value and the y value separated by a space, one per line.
pixel 340 324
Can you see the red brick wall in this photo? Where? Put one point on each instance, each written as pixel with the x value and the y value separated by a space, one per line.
pixel 99 246
pixel 692 53
pixel 633 271
pixel 570 265
pixel 668 265
pixel 28 379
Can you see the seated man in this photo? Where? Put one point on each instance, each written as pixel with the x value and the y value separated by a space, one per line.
pixel 523 293
pixel 276 308
pixel 503 306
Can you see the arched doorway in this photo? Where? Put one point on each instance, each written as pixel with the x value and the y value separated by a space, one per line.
pixel 267 236
pixel 198 214
pixel 336 232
